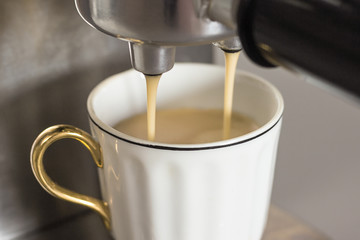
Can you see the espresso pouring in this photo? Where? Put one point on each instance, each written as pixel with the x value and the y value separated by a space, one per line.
pixel 189 126
pixel 152 83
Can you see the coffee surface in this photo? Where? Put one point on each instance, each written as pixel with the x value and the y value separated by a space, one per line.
pixel 187 126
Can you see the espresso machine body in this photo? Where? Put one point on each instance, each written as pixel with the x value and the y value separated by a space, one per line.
pixel 154 28
pixel 317 38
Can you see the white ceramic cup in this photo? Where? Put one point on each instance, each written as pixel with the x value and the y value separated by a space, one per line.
pixel 151 190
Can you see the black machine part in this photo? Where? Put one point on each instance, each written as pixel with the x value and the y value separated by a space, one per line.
pixel 317 37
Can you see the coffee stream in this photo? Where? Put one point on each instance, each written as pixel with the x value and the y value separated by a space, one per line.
pixel 231 59
pixel 152 81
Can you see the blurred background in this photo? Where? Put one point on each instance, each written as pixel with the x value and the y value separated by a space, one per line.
pixel 50 59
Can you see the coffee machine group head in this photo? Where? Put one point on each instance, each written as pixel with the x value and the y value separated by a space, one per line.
pixel 319 38
pixel 154 28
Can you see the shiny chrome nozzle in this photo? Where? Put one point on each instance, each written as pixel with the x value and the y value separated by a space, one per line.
pixel 232 44
pixel 151 59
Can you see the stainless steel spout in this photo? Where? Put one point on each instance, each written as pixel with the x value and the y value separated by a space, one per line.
pixel 151 59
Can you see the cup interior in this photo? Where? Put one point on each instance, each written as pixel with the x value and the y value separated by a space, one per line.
pixel 186 85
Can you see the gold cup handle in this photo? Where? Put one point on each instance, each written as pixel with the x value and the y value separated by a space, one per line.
pixel 42 142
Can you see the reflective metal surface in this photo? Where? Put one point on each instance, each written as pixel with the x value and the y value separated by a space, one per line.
pixel 50 60
pixel 157 22
pixel 155 27
pixel 150 59
pixel 24 205
pixel 229 45
pixel 223 11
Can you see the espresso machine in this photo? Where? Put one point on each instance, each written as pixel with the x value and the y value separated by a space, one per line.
pixel 316 37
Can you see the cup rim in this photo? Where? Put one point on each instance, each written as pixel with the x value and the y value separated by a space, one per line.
pixel 275 120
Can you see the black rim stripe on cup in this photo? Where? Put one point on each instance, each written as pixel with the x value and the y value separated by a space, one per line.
pixel 184 148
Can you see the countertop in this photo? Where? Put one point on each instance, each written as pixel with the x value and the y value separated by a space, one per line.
pixel 87 225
